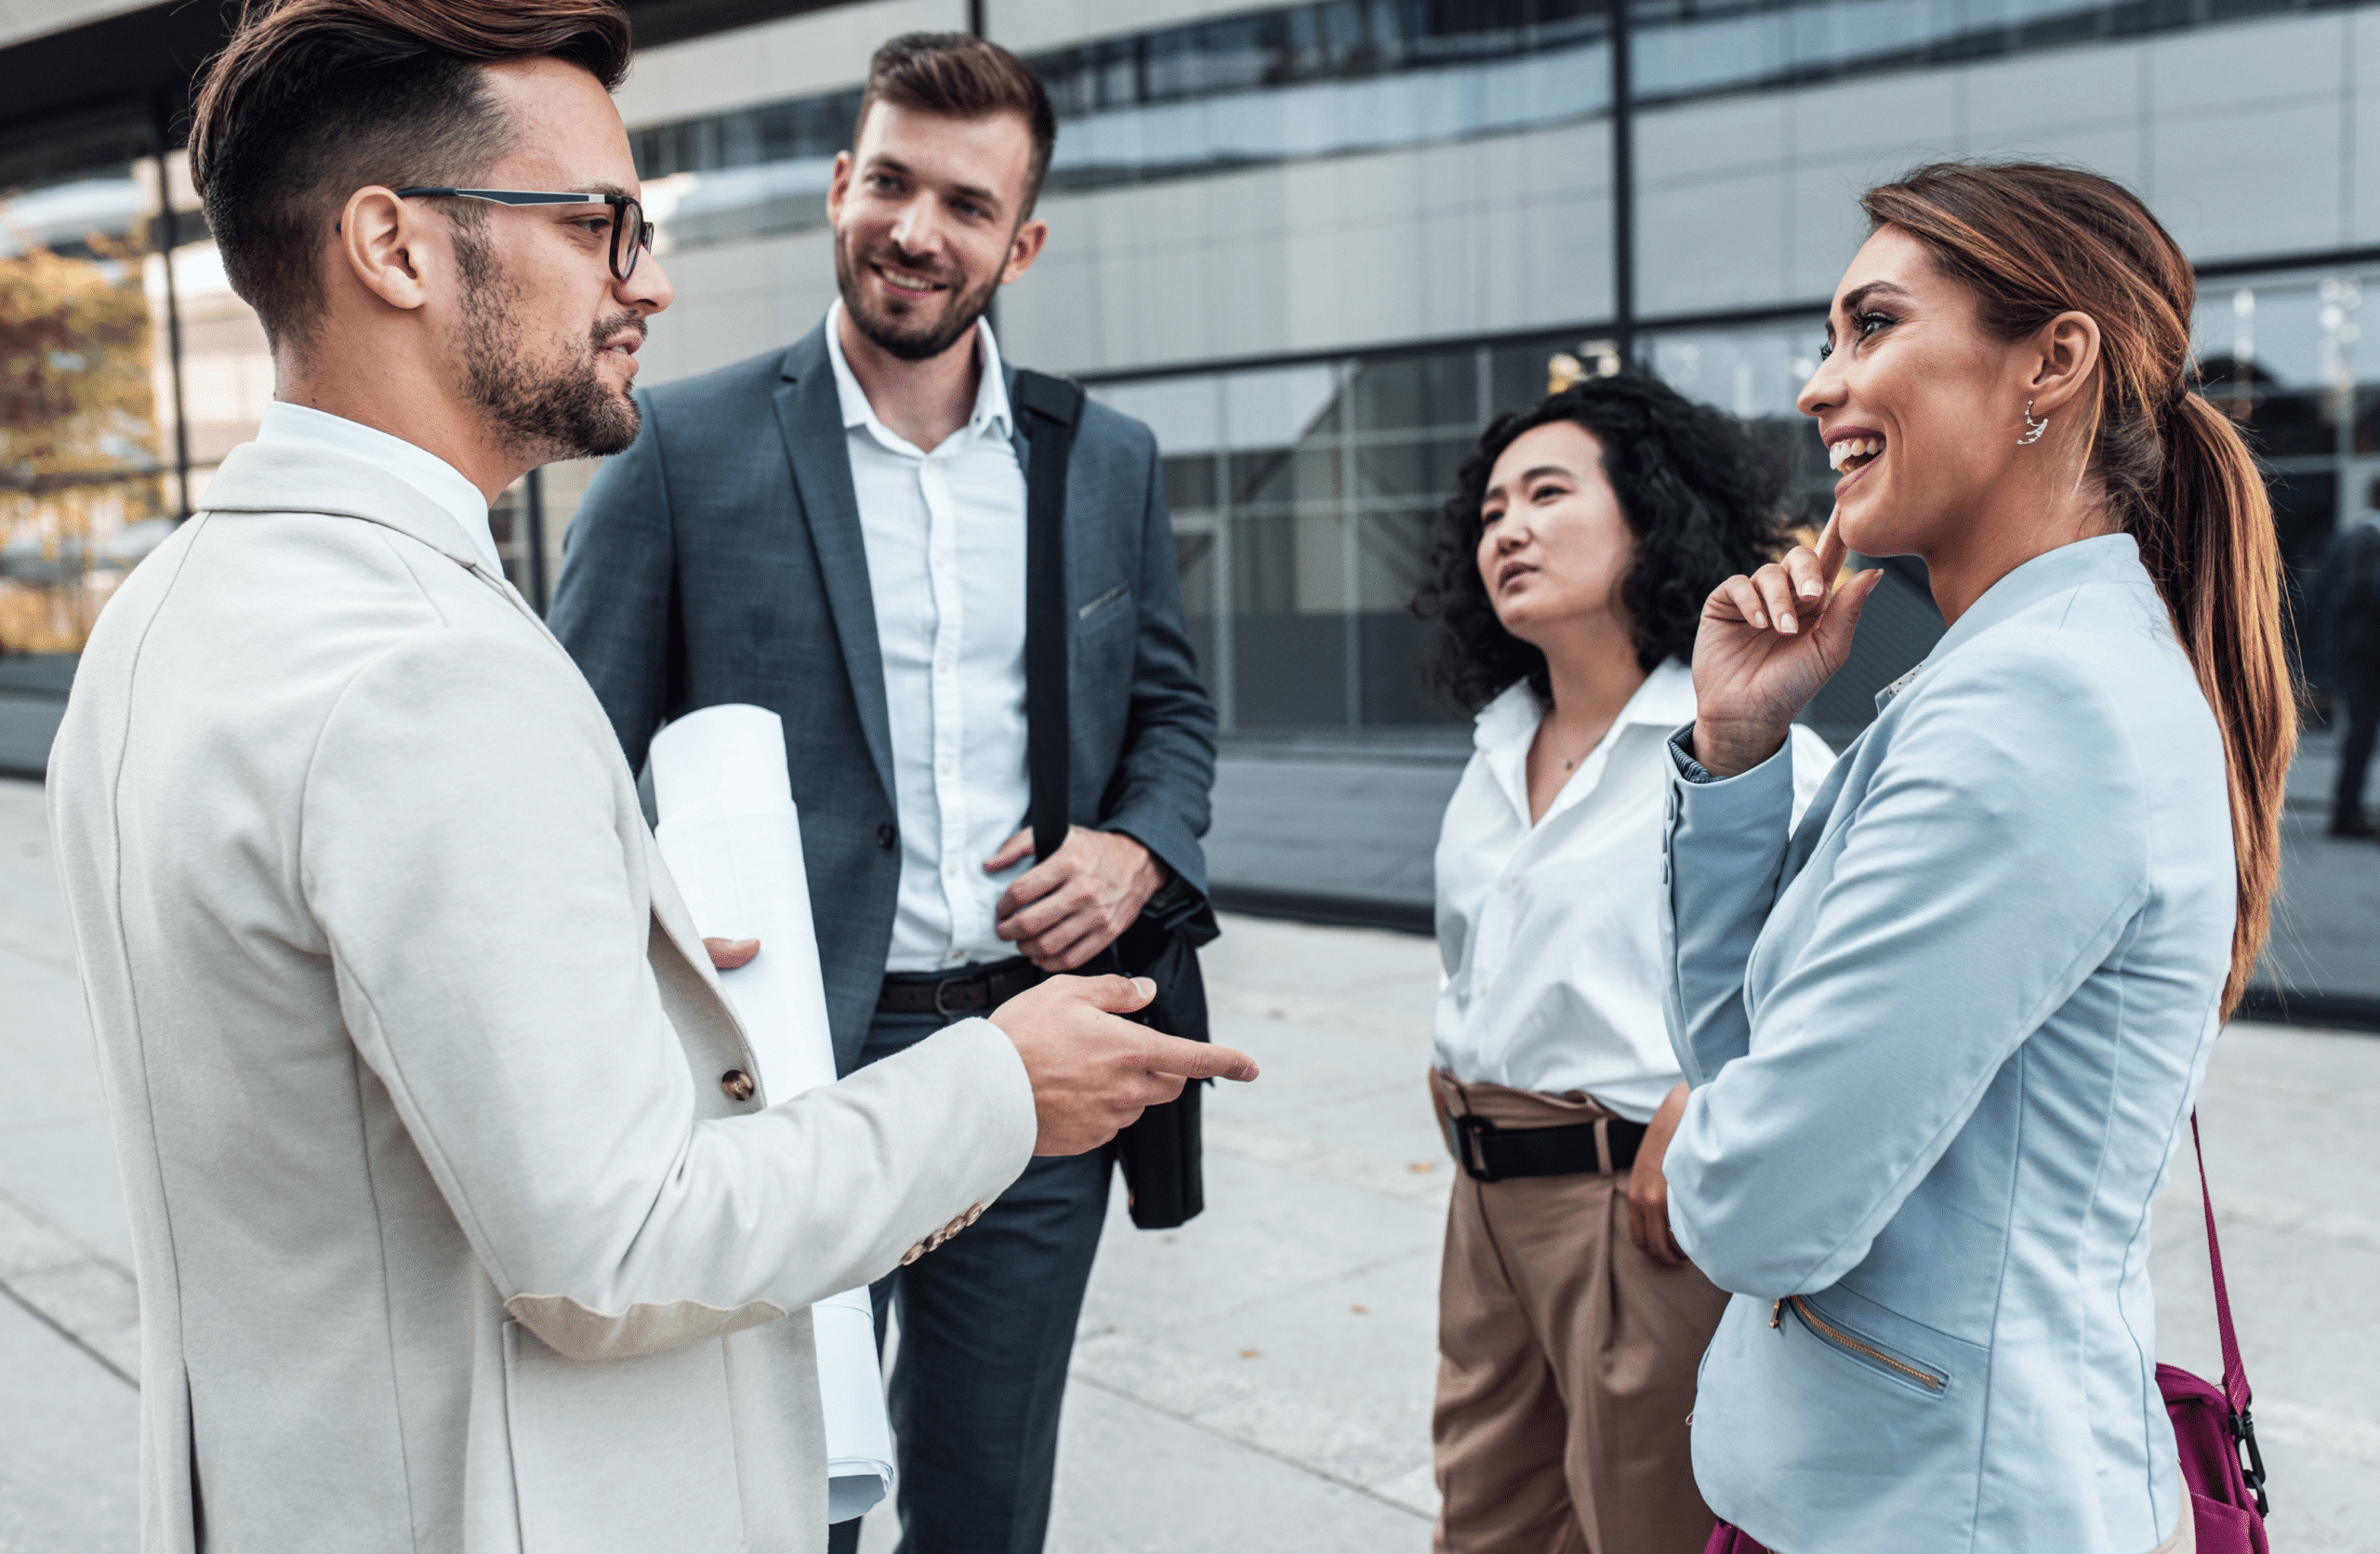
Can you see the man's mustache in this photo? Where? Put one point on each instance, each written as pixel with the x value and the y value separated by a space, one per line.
pixel 941 274
pixel 612 329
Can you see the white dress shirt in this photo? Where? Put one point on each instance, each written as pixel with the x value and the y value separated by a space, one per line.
pixel 298 426
pixel 944 532
pixel 1549 934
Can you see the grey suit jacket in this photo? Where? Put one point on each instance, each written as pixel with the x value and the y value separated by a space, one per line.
pixel 720 560
pixel 449 1235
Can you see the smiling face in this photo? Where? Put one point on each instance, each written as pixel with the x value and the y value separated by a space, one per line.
pixel 545 337
pixel 1919 407
pixel 926 215
pixel 1553 545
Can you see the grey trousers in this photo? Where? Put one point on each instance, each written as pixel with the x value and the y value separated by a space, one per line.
pixel 987 1326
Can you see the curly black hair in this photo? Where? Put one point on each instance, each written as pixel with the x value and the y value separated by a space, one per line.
pixel 1700 500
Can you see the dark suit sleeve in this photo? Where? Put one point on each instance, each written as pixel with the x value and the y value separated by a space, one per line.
pixel 612 607
pixel 1160 793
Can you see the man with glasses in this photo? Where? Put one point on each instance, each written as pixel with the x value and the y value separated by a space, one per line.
pixel 462 1217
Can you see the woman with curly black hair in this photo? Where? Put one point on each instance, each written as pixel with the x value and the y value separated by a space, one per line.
pixel 1572 565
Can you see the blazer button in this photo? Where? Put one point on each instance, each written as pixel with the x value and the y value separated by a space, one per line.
pixel 737 1084
pixel 887 834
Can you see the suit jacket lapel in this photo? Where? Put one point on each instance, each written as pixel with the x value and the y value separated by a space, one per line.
pixel 809 418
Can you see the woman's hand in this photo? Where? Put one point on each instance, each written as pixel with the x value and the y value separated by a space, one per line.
pixel 1648 1190
pixel 1766 644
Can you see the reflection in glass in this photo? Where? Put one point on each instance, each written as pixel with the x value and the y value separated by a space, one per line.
pixel 1314 80
pixel 80 493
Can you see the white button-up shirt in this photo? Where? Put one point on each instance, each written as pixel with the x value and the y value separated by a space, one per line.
pixel 944 532
pixel 1549 934
pixel 298 426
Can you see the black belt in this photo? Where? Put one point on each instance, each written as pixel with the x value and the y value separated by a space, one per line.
pixel 1492 1154
pixel 962 992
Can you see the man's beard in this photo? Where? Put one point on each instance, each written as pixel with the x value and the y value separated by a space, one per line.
pixel 556 412
pixel 910 342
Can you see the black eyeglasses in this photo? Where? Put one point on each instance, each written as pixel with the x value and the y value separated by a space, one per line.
pixel 632 233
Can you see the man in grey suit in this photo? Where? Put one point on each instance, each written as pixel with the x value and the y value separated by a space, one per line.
pixel 838 531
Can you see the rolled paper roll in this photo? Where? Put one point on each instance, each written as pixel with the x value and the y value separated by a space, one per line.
pixel 731 838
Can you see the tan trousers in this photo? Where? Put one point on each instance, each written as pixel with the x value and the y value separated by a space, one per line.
pixel 1565 1361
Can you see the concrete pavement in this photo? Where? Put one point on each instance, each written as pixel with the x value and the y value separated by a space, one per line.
pixel 1258 1379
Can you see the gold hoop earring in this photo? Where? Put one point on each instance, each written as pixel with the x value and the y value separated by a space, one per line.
pixel 2033 429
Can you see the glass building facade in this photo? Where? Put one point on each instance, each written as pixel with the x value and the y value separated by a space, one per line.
pixel 1317 246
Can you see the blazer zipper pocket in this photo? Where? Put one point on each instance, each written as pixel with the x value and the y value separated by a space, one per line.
pixel 1841 1340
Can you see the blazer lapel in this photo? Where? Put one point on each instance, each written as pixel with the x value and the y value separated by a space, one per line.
pixel 809 418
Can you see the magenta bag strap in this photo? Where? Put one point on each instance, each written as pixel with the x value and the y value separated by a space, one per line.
pixel 2235 1375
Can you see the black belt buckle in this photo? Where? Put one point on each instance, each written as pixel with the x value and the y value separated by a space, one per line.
pixel 942 987
pixel 1472 1132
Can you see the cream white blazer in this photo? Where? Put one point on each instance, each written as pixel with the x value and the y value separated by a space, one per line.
pixel 452 1233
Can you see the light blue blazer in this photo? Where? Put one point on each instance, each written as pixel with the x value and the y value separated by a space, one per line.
pixel 1942 1040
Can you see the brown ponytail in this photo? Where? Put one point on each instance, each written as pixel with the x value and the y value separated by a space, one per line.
pixel 2034 241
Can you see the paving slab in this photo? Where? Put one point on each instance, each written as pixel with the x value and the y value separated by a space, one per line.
pixel 1227 1392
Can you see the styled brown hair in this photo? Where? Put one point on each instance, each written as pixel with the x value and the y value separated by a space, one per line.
pixel 2033 241
pixel 313 99
pixel 962 76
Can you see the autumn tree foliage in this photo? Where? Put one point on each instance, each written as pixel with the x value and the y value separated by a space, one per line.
pixel 78 437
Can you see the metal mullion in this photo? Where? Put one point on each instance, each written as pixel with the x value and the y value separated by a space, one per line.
pixel 1226 607
pixel 167 234
pixel 1351 635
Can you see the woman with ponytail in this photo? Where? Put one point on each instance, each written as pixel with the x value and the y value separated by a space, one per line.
pixel 1942 1043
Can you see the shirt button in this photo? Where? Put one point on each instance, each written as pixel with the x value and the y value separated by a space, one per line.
pixel 886 835
pixel 1505 884
pixel 737 1084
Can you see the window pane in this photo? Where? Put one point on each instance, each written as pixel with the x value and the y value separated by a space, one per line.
pixel 83 496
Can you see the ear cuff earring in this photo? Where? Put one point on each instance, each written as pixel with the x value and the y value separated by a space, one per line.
pixel 2033 429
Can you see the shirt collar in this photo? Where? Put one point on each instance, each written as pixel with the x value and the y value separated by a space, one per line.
pixel 2105 558
pixel 1665 701
pixel 299 426
pixel 991 415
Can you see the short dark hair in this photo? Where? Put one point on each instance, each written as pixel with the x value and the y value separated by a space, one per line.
pixel 313 99
pixel 1699 498
pixel 961 76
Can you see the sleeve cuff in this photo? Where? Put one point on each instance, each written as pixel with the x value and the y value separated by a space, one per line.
pixel 1682 753
pixel 1681 748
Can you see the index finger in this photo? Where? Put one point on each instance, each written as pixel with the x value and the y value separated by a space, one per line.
pixel 1027 888
pixel 1171 1055
pixel 1831 547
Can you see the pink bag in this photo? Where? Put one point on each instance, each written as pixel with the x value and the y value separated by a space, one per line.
pixel 2212 1426
pixel 2211 1429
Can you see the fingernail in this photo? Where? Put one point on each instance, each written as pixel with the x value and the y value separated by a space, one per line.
pixel 1760 620
pixel 1810 590
pixel 1785 624
pixel 1247 1072
pixel 1147 985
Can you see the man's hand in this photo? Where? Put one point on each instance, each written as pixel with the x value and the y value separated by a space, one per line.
pixel 1648 1190
pixel 1069 907
pixel 727 954
pixel 1094 1073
